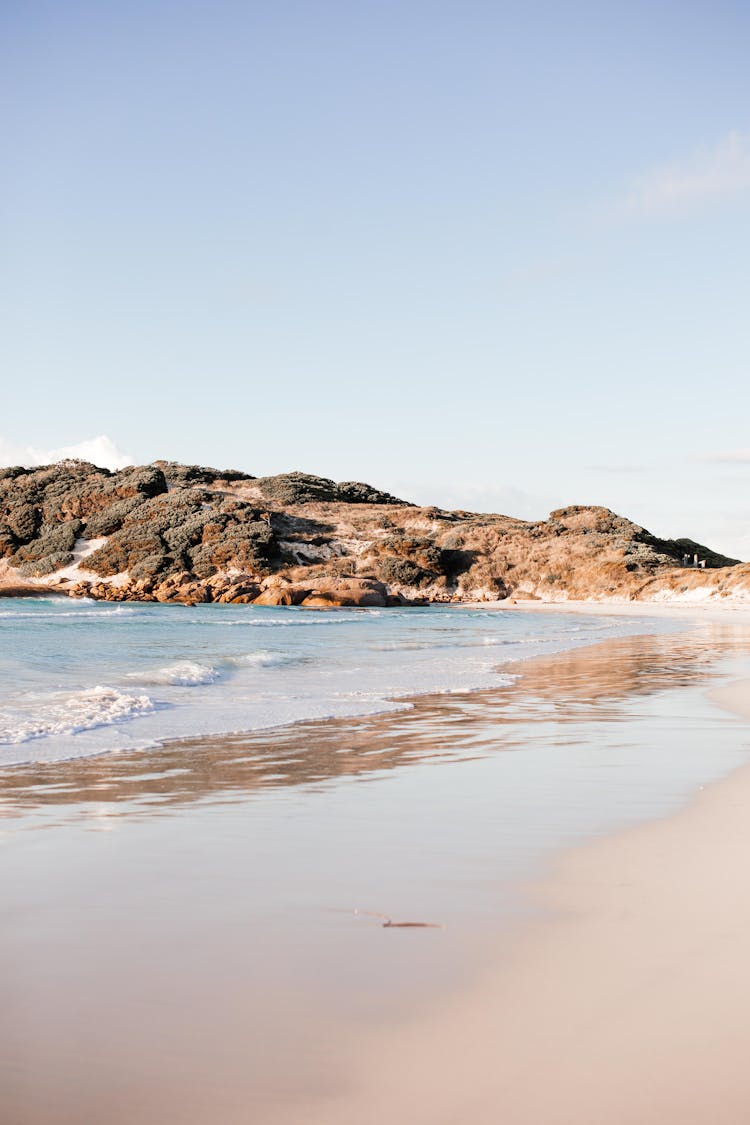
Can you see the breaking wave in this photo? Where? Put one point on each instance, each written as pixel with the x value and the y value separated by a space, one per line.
pixel 265 658
pixel 70 713
pixel 81 614
pixel 183 673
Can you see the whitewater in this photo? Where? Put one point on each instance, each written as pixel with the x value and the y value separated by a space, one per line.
pixel 80 677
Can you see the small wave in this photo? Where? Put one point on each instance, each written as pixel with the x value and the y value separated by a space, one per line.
pixel 80 614
pixel 184 673
pixel 265 658
pixel 71 713
pixel 301 619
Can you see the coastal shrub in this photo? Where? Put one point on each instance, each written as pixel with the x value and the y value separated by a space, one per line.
pixel 38 568
pixel 403 572
pixel 201 561
pixel 304 488
pixel 180 475
pixel 111 518
pixel 232 507
pixel 187 533
pixel 8 542
pixel 150 567
pixel 356 492
pixel 297 488
pixel 142 480
pixel 103 491
pixel 186 475
pixel 66 496
pixel 50 491
pixel 57 538
pixel 231 475
pixel 23 520
pixel 167 512
pixel 484 574
pixel 249 546
pixel 182 531
pixel 426 554
pixel 124 550
pixel 454 563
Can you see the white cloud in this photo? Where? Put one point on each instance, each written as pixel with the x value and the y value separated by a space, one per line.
pixel 710 174
pixel 100 451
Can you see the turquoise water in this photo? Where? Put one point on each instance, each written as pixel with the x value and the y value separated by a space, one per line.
pixel 80 678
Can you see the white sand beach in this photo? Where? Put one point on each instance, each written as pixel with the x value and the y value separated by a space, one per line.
pixel 629 1002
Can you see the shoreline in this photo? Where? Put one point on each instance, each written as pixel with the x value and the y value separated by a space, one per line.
pixel 395 704
pixel 12 585
pixel 484 704
pixel 391 701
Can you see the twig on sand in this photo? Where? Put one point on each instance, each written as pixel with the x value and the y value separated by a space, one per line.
pixel 390 924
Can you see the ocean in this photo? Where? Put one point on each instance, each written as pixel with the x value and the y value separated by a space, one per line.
pixel 79 678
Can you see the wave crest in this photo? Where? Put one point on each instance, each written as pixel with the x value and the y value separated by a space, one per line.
pixel 265 658
pixel 183 673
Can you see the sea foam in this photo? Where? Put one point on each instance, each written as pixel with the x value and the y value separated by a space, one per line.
pixel 65 713
pixel 183 673
pixel 265 658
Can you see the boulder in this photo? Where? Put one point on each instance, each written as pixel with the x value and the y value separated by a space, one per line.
pixel 360 592
pixel 239 593
pixel 274 596
pixel 274 581
pixel 325 601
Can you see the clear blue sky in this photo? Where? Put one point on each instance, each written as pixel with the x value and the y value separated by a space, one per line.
pixel 485 254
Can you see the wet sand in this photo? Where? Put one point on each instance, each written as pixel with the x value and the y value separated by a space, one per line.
pixel 179 942
pixel 629 1003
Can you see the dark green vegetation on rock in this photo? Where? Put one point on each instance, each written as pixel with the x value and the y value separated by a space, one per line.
pixel 302 488
pixel 152 528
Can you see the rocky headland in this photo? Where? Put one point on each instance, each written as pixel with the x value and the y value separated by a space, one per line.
pixel 184 533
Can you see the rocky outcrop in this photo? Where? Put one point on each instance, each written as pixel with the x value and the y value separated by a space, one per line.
pixel 302 488
pixel 188 534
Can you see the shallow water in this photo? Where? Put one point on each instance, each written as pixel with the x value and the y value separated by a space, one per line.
pixel 80 678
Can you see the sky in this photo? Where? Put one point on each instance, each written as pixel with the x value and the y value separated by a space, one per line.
pixel 485 255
